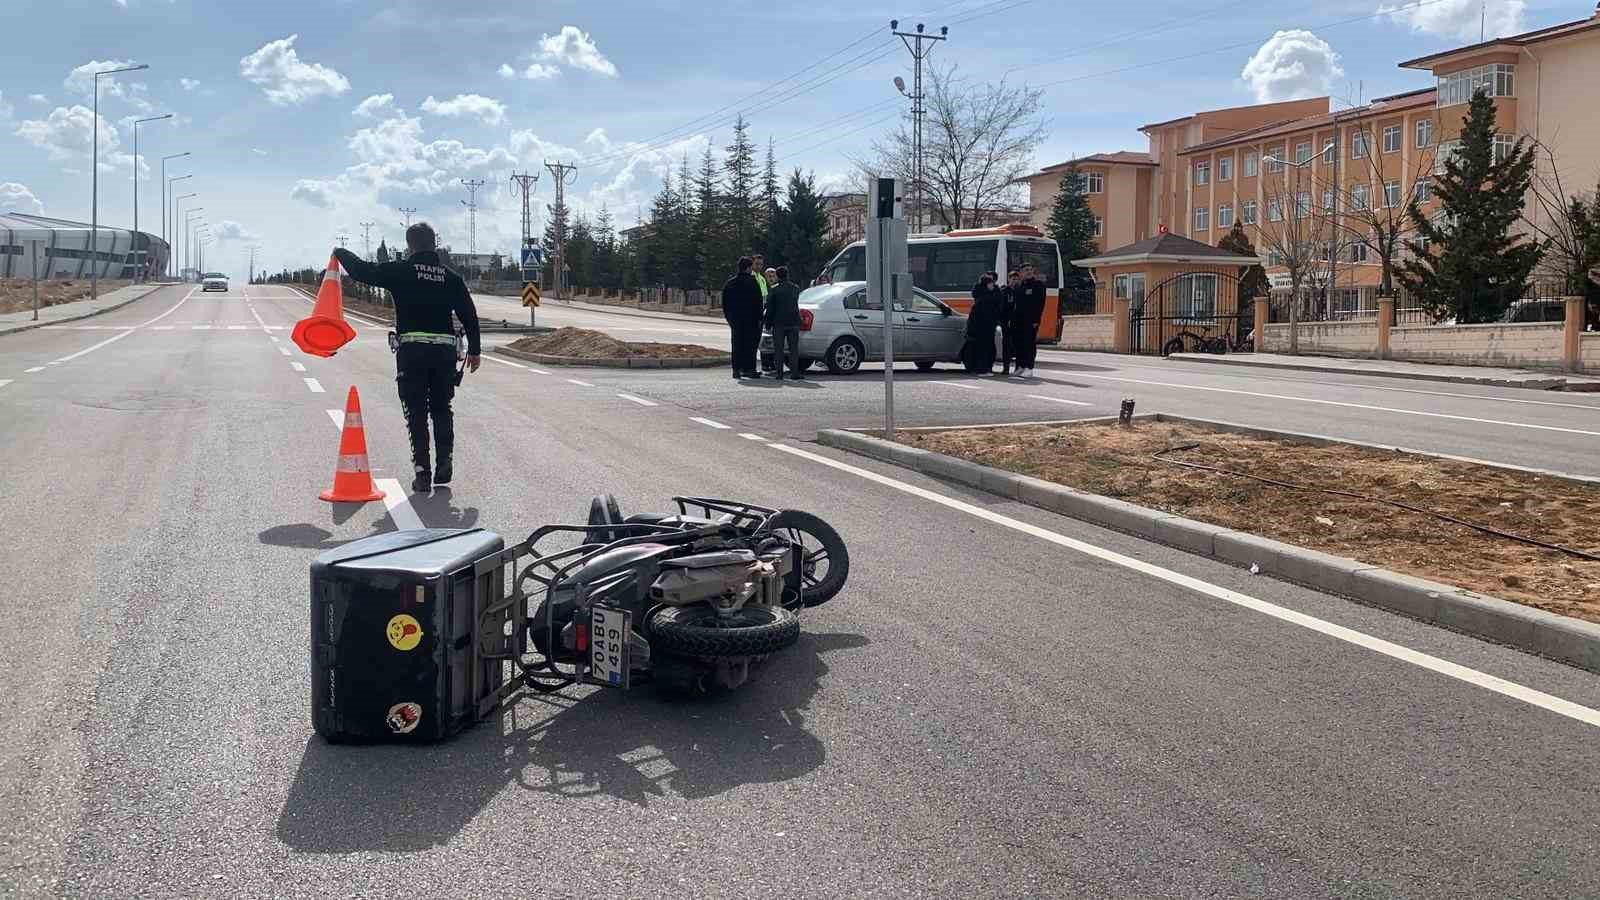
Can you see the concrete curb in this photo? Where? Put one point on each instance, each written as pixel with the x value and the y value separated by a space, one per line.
pixel 1571 641
pixel 115 306
pixel 633 362
pixel 1537 382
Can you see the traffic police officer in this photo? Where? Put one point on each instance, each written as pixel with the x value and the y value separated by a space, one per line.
pixel 425 294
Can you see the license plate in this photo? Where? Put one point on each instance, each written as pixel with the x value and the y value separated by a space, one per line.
pixel 608 645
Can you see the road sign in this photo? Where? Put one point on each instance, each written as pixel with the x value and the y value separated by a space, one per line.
pixel 532 258
pixel 530 294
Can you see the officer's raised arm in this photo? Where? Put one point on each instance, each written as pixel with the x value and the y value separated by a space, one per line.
pixel 361 270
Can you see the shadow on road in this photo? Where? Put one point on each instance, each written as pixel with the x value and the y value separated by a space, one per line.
pixel 628 746
pixel 303 535
pixel 438 510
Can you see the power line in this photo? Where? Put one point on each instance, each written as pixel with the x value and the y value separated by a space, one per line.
pixel 560 171
pixel 366 238
pixel 408 212
pixel 471 203
pixel 526 181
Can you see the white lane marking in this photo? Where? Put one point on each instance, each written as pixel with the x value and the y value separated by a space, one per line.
pixel 337 415
pixel 53 362
pixel 1387 409
pixel 200 327
pixel 314 385
pixel 537 371
pixel 237 327
pixel 399 505
pixel 297 367
pixel 957 384
pixel 33 370
pixel 5 381
pixel 751 437
pixel 579 383
pixel 972 427
pixel 639 400
pixel 1059 400
pixel 709 423
pixel 1378 645
pixel 162 327
pixel 1476 397
pixel 122 334
pixel 503 362
pixel 285 351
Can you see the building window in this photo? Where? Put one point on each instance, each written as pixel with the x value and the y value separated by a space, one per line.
pixel 1202 173
pixel 1494 79
pixel 1274 210
pixel 1275 160
pixel 1447 149
pixel 1275 257
pixel 1251 162
pixel 1424 133
pixel 1503 145
pixel 1247 212
pixel 1421 190
pixel 1094 183
pixel 1302 152
pixel 1327 201
pixel 1302 203
pixel 1225 169
pixel 1225 215
pixel 1359 144
pixel 1391 139
pixel 1197 297
pixel 1360 196
pixel 1099 226
pixel 1130 287
pixel 1358 251
pixel 1391 194
pixel 1330 151
pixel 1202 218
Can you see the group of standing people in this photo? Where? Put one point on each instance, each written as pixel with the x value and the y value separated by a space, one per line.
pixel 1016 308
pixel 755 297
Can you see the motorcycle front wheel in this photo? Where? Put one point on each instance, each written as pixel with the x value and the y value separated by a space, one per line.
pixel 825 563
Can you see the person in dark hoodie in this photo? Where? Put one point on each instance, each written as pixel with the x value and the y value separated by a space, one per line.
pixel 987 300
pixel 1027 308
pixel 783 320
pixel 741 306
pixel 425 293
pixel 1008 348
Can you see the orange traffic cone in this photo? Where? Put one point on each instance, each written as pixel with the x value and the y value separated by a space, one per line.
pixel 325 330
pixel 352 481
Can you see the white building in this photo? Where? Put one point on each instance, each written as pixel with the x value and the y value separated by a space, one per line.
pixel 63 249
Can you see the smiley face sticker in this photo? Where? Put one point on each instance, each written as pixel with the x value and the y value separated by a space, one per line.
pixel 404 632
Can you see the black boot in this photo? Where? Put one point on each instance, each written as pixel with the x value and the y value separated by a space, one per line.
pixel 442 472
pixel 423 483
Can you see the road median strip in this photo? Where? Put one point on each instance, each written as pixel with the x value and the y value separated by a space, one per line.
pixel 1547 634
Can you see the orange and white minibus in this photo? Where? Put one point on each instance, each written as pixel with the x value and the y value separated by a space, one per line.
pixel 948 265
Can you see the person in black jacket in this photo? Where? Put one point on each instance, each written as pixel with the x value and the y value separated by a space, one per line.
pixel 1027 308
pixel 987 299
pixel 1008 347
pixel 783 320
pixel 425 293
pixel 741 306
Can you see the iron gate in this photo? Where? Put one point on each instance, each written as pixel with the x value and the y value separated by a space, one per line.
pixel 1191 312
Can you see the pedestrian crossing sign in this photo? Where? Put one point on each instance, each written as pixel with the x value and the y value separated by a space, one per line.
pixel 530 294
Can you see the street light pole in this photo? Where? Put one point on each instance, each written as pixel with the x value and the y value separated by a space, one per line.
pixel 94 181
pixel 136 123
pixel 165 208
pixel 188 225
pixel 177 202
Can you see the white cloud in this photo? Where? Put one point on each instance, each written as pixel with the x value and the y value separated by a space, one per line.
pixel 286 80
pixel 229 230
pixel 67 134
pixel 1461 19
pixel 1292 65
pixel 313 192
pixel 135 93
pixel 573 47
pixel 507 72
pixel 188 84
pixel 540 72
pixel 489 110
pixel 392 155
pixel 375 104
pixel 6 109
pixel 258 151
pixel 39 98
pixel 15 197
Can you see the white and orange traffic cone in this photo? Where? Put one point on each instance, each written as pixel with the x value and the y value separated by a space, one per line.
pixel 324 331
pixel 352 480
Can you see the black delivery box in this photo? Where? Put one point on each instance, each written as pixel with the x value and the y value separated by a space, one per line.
pixel 392 621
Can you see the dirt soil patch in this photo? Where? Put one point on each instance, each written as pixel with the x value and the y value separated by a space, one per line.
pixel 582 343
pixel 16 294
pixel 1117 462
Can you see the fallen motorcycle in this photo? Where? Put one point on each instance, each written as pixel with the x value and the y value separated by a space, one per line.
pixel 417 634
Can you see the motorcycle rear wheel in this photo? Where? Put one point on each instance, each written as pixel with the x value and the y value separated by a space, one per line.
pixel 698 631
pixel 826 562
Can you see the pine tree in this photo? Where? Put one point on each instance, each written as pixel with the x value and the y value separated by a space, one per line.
pixel 769 201
pixel 1468 262
pixel 739 196
pixel 1252 279
pixel 655 250
pixel 805 246
pixel 1071 224
pixel 685 265
pixel 608 274
pixel 708 241
pixel 382 256
pixel 581 253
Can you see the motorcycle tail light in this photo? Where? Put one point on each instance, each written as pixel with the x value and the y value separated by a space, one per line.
pixel 582 631
pixel 806 318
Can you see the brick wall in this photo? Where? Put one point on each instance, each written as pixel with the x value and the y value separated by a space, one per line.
pixel 1090 333
pixel 1532 344
pixel 1357 338
pixel 1591 353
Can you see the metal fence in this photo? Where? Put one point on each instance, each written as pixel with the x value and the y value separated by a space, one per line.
pixel 1540 301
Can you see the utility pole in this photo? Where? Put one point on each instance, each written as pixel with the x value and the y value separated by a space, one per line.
pixel 341 238
pixel 526 182
pixel 408 212
pixel 914 43
pixel 471 203
pixel 564 174
pixel 252 277
pixel 141 257
pixel 366 239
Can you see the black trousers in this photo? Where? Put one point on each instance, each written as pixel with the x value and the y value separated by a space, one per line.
pixel 1008 347
pixel 426 375
pixel 786 341
pixel 746 339
pixel 1025 342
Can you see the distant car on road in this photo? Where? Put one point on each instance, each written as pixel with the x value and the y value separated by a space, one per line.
pixel 840 330
pixel 214 281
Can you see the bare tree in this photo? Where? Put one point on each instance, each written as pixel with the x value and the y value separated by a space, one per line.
pixel 1296 233
pixel 1569 223
pixel 1379 213
pixel 978 140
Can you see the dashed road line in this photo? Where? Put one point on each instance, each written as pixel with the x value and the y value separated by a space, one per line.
pixel 579 383
pixel 504 362
pixel 639 400
pixel 537 371
pixel 237 327
pixel 33 370
pixel 750 436
pixel 399 505
pixel 285 351
pixel 5 381
pixel 1392 650
pixel 162 327
pixel 122 334
pixel 337 415
pixel 957 384
pixel 200 327
pixel 1059 400
pixel 314 385
pixel 710 423
pixel 297 367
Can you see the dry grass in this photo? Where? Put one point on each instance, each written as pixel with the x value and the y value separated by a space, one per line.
pixel 16 295
pixel 1116 462
pixel 582 343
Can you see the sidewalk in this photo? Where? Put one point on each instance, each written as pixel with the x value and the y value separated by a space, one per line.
pixel 1485 375
pixel 10 323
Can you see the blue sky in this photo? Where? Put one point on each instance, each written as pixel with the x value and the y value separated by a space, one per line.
pixel 305 119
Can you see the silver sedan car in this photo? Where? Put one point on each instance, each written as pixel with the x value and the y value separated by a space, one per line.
pixel 840 330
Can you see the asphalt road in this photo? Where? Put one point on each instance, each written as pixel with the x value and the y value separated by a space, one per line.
pixel 1002 703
